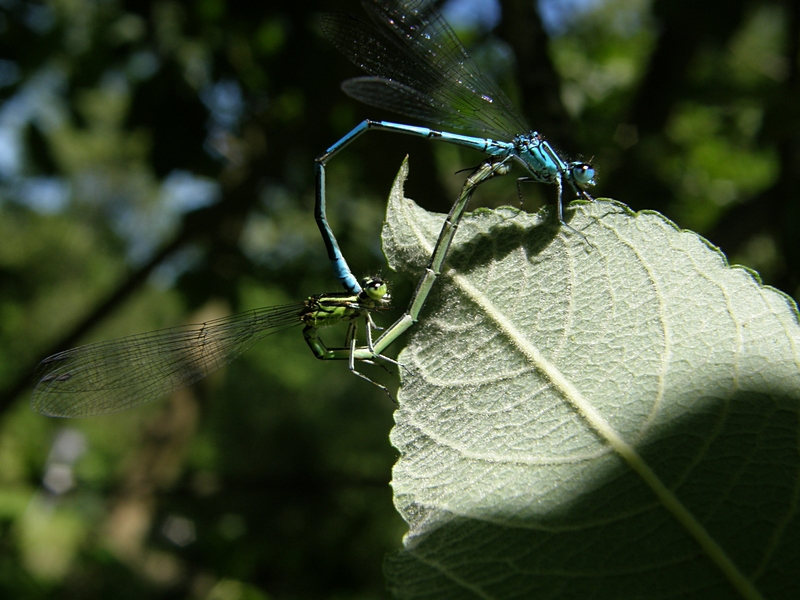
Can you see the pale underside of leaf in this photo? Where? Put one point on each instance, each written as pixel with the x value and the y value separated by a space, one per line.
pixel 547 381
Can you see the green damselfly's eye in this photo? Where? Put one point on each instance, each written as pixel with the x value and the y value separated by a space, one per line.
pixel 376 288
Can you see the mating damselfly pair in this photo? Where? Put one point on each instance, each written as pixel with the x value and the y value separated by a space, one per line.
pixel 417 67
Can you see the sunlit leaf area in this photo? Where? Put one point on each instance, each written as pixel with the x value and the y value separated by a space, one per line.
pixel 157 169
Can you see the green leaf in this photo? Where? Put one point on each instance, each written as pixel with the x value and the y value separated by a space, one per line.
pixel 616 421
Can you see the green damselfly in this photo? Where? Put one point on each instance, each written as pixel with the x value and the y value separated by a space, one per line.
pixel 117 374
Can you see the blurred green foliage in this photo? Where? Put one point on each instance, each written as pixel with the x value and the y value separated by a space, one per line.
pixel 156 168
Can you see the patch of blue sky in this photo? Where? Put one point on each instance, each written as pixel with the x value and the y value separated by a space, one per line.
pixel 15 113
pixel 10 152
pixel 46 195
pixel 225 101
pixel 36 101
pixel 183 191
pixel 472 14
pixel 144 226
pixel 557 15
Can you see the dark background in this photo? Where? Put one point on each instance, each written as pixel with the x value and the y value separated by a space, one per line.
pixel 156 168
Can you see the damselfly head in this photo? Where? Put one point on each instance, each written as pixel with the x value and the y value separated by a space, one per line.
pixel 583 173
pixel 376 288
